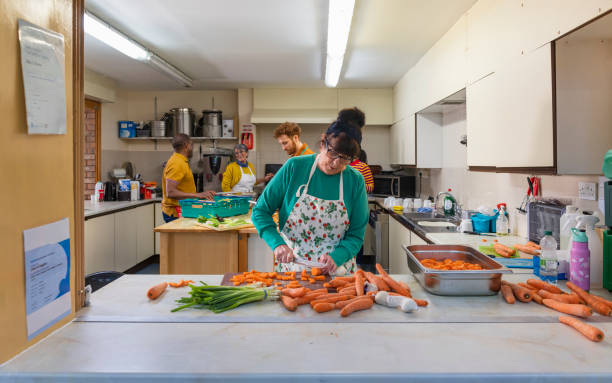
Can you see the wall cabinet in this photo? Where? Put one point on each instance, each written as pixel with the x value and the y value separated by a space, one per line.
pixel 399 236
pixel 429 140
pixel 403 142
pixel 481 115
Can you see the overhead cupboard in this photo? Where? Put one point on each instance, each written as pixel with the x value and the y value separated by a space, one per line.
pixel 532 99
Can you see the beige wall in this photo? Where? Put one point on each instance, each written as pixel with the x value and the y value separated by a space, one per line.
pixel 99 87
pixel 38 170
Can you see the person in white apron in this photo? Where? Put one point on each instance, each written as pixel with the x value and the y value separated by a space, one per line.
pixel 322 207
pixel 239 176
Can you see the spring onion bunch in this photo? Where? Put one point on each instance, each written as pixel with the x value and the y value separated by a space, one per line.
pixel 222 298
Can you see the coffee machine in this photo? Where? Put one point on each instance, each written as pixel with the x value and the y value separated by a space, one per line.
pixel 211 165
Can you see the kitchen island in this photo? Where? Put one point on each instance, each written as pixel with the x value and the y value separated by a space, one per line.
pixel 123 336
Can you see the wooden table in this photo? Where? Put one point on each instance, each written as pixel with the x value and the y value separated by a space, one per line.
pixel 186 248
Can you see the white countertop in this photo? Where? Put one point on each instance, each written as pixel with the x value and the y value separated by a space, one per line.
pixel 437 348
pixel 108 207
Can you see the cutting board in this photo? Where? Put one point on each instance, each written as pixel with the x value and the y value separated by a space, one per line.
pixel 313 286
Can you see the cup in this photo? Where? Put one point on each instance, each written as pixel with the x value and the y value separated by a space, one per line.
pixel 407 204
pixel 427 203
pixel 418 203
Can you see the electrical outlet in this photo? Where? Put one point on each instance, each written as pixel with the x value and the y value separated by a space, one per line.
pixel 587 190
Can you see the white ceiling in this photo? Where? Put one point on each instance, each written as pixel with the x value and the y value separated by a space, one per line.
pixel 267 43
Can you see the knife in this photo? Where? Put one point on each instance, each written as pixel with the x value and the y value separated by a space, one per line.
pixel 484 234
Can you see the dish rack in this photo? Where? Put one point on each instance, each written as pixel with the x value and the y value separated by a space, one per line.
pixel 222 206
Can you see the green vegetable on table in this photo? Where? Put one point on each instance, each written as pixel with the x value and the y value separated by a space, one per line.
pixel 222 298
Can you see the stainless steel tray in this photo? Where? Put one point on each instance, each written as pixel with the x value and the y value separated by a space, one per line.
pixel 455 282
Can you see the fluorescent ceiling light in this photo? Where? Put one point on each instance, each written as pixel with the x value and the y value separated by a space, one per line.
pixel 338 29
pixel 100 30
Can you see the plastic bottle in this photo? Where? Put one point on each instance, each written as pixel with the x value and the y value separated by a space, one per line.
pixel 587 222
pixel 549 265
pixel 568 220
pixel 99 191
pixel 449 204
pixel 502 223
pixel 580 271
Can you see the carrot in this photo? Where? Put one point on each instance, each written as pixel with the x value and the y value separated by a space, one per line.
pixel 331 299
pixel 534 245
pixel 359 282
pixel 336 283
pixel 521 293
pixel 324 307
pixel 526 249
pixel 405 285
pixel 419 302
pixel 395 286
pixel 155 291
pixel 597 305
pixel 537 298
pixel 176 284
pixel 528 287
pixel 322 290
pixel 350 279
pixel 304 274
pixel 316 271
pixel 499 248
pixel 294 293
pixel 341 304
pixel 380 270
pixel 602 300
pixel 289 303
pixel 564 298
pixel 568 308
pixel 326 285
pixel 375 279
pixel 591 332
pixel 541 285
pixel 507 294
pixel 348 290
pixel 361 304
pixel 319 278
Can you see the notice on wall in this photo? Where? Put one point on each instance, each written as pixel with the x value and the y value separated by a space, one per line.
pixel 47 272
pixel 42 67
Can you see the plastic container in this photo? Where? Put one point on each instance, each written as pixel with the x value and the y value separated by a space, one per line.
pixel 127 129
pixel 501 223
pixel 587 222
pixel 483 223
pixel 568 220
pixel 549 263
pixel 580 271
pixel 222 206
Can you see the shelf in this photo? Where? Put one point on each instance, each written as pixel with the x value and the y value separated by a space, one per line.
pixel 170 138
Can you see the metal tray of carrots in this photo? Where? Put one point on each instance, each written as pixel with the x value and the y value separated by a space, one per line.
pixel 483 279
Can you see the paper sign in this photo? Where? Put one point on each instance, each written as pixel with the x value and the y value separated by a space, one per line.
pixel 42 67
pixel 47 272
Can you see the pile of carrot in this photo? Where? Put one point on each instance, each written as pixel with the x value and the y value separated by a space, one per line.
pixel 449 264
pixel 578 303
pixel 272 278
pixel 350 295
pixel 529 248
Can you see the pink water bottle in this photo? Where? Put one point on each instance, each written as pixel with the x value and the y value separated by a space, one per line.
pixel 580 269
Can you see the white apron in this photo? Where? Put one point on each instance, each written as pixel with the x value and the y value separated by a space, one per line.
pixel 246 183
pixel 314 228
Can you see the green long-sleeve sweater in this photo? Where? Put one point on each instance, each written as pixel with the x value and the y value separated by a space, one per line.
pixel 280 194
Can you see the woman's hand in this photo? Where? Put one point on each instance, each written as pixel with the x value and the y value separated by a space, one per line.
pixel 283 254
pixel 329 266
pixel 268 177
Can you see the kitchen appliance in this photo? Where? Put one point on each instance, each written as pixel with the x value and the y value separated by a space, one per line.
pixel 210 168
pixel 183 120
pixel 212 123
pixel 158 128
pixel 110 191
pixel 455 282
pixel 394 185
pixel 228 128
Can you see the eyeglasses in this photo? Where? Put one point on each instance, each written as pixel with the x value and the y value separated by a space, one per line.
pixel 239 152
pixel 333 154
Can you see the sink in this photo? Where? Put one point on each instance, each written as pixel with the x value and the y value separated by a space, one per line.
pixel 436 223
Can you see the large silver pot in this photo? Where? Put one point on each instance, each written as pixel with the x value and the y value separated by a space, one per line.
pixel 158 128
pixel 212 123
pixel 183 120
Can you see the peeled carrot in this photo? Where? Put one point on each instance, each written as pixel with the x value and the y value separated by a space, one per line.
pixel 359 282
pixel 521 293
pixel 526 249
pixel 405 285
pixel 541 285
pixel 348 290
pixel 375 279
pixel 360 304
pixel 341 304
pixel 591 332
pixel 597 305
pixel 155 291
pixel 508 294
pixel 289 303
pixel 294 293
pixel 315 271
pixel 502 249
pixel 336 283
pixel 395 286
pixel 568 308
pixel 331 299
pixel 534 245
pixel 564 298
pixel 319 278
pixel 324 307
pixel 537 298
pixel 602 300
pixel 350 279
pixel 528 287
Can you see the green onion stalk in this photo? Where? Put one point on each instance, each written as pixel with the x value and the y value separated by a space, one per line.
pixel 222 298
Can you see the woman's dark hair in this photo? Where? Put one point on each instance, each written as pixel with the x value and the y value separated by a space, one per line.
pixel 363 157
pixel 346 137
pixel 352 116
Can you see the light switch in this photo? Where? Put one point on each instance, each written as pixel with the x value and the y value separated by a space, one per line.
pixel 587 190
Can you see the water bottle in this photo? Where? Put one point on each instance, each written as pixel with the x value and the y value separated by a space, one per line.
pixel 501 225
pixel 580 269
pixel 549 265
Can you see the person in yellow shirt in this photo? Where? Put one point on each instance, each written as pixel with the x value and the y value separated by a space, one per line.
pixel 177 179
pixel 288 136
pixel 239 176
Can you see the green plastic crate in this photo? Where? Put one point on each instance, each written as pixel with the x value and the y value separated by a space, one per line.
pixel 220 207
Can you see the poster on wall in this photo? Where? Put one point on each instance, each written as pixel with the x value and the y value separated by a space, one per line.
pixel 247 135
pixel 47 275
pixel 42 67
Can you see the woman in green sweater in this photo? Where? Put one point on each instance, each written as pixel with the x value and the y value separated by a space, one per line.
pixel 322 204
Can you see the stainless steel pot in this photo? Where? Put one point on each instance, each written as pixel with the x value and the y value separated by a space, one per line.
pixel 183 120
pixel 158 128
pixel 212 123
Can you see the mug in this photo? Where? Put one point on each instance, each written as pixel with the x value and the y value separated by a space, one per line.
pixel 418 203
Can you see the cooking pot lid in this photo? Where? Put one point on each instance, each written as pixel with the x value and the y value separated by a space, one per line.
pixel 181 110
pixel 211 111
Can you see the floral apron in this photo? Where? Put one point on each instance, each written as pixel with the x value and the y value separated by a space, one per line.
pixel 314 228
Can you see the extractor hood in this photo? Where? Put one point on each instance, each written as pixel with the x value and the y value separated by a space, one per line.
pixel 300 116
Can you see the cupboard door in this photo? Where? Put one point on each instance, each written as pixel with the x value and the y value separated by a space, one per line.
pixel 100 244
pixel 126 230
pixel 429 140
pixel 145 240
pixel 398 236
pixel 159 220
pixel 482 121
pixel 416 240
pixel 403 143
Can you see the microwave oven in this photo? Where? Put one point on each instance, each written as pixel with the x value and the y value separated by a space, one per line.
pixel 395 185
